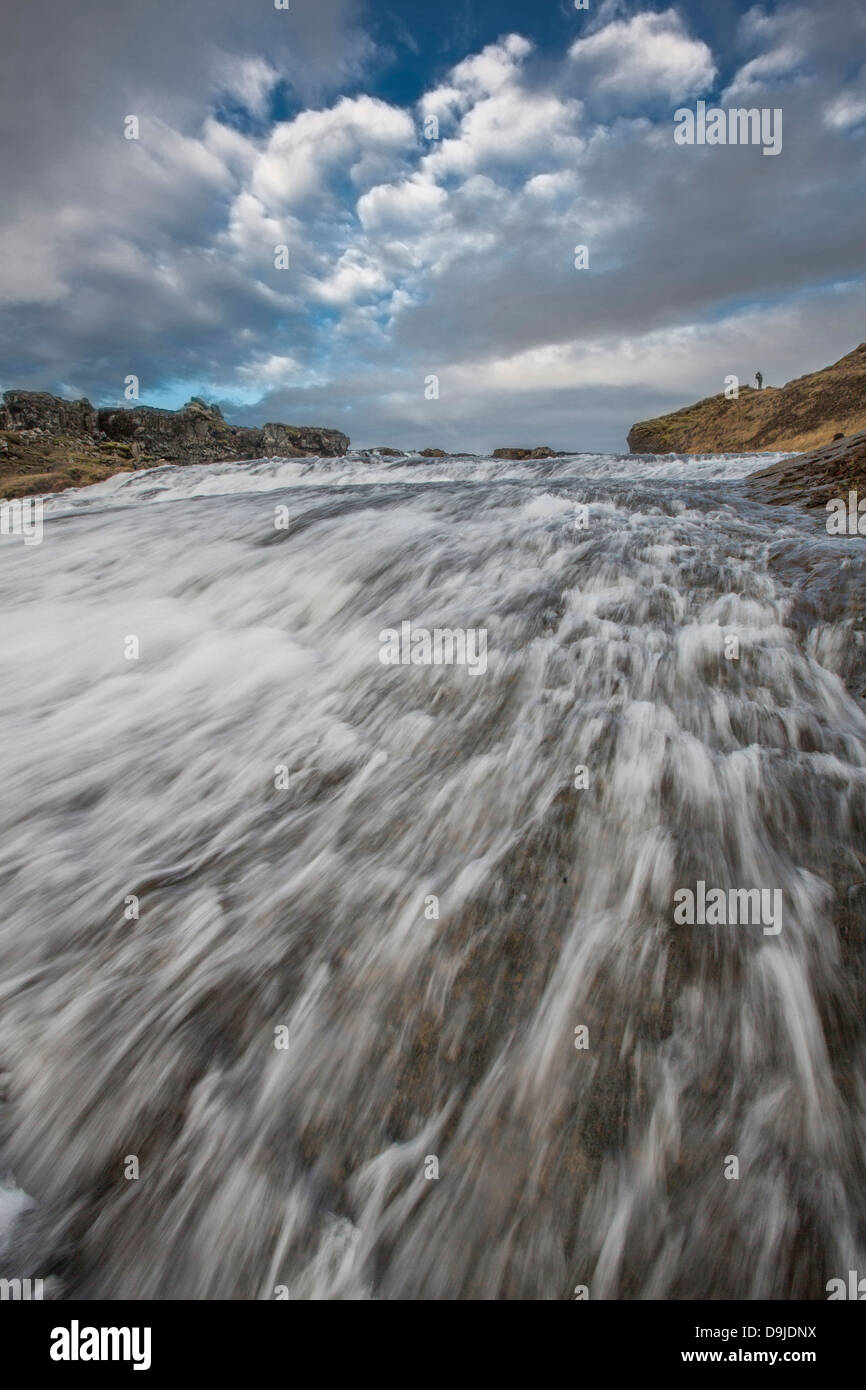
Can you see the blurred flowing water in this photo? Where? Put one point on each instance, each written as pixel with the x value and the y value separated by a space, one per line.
pixel 413 1038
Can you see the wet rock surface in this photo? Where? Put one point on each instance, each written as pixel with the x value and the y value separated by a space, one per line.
pixel 815 478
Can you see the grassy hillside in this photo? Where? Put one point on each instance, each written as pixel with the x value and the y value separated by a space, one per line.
pixel 805 414
pixel 34 465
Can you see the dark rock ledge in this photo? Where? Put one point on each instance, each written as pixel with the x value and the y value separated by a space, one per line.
pixel 47 444
pixel 813 479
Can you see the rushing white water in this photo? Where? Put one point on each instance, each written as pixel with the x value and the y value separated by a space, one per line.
pixel 410 1037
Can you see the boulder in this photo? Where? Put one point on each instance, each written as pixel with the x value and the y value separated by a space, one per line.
pixel 287 441
pixel 540 452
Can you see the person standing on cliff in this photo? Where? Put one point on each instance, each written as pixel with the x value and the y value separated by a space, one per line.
pixel 760 380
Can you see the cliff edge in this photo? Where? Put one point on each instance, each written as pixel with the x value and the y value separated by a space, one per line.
pixel 805 414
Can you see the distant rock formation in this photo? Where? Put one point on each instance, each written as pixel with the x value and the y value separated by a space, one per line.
pixel 37 410
pixel 47 444
pixel 199 434
pixel 804 414
pixel 541 452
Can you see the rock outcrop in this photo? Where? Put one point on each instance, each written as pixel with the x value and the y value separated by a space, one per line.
pixel 812 480
pixel 37 410
pixel 199 434
pixel 804 414
pixel 541 452
pixel 47 444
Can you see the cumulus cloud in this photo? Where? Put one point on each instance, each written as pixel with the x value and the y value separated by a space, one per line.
pixel 301 155
pixel 647 55
pixel 402 206
pixel 492 69
pixel 355 277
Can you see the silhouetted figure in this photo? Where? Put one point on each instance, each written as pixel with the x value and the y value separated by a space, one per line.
pixel 760 380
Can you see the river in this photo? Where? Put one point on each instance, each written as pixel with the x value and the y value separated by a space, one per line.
pixel 370 972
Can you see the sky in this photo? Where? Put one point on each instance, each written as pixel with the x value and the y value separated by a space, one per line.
pixel 418 251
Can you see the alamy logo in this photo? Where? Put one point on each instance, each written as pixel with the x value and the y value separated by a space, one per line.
pixel 21 1290
pixel 734 126
pixel 444 646
pixel 846 518
pixel 75 1343
pixel 856 1288
pixel 22 518
pixel 737 907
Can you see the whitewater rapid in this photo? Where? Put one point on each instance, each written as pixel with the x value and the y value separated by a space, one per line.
pixel 431 1129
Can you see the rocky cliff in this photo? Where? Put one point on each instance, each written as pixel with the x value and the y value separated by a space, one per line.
pixel 47 444
pixel 805 414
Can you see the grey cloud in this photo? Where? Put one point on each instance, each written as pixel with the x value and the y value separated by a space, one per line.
pixel 69 73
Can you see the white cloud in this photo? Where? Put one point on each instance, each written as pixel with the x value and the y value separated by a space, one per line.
pixel 845 111
pixel 234 150
pixel 491 69
pixel 401 206
pixel 250 227
pixel 495 117
pixel 271 371
pixel 356 275
pixel 250 81
pixel 301 154
pixel 766 67
pixel 513 127
pixel 562 183
pixel 444 103
pixel 648 55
